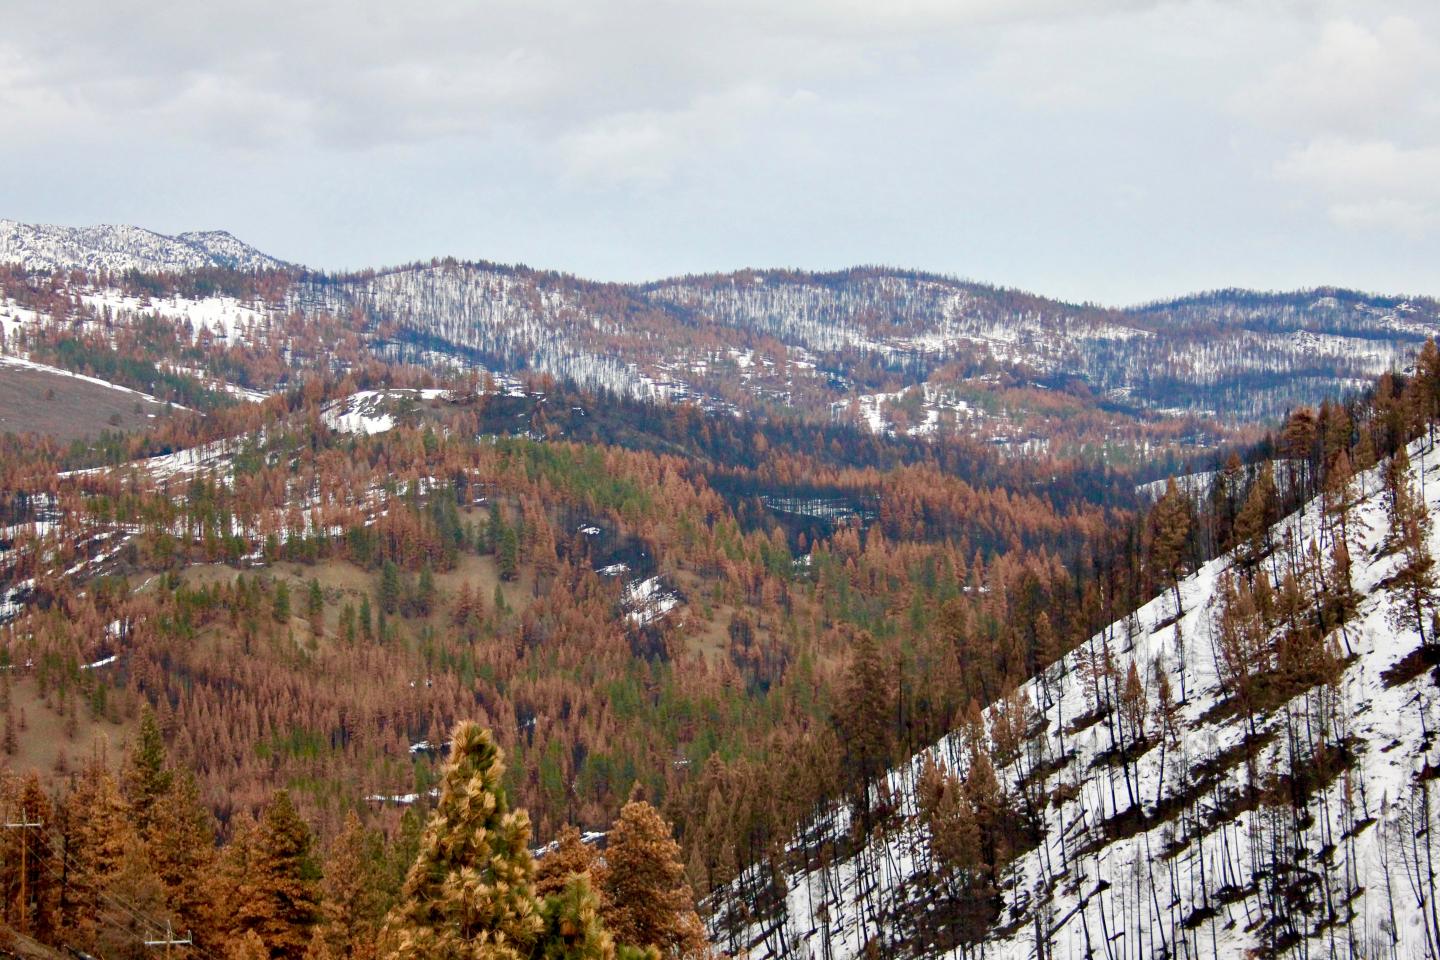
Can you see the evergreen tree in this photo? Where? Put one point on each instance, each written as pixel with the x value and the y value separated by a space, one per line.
pixel 425 591
pixel 573 927
pixel 315 607
pixel 182 849
pixel 1256 517
pixel 146 774
pixel 864 717
pixel 353 902
pixel 367 620
pixel 280 603
pixel 97 830
pixel 469 893
pixel 28 862
pixel 572 856
pixel 507 552
pixel 280 897
pixel 389 587
pixel 1169 526
pixel 649 904
pixel 1410 526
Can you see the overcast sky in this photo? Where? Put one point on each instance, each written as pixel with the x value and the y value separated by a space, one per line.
pixel 1107 150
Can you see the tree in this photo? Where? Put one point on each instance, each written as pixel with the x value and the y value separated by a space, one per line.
pixel 181 846
pixel 507 552
pixel 353 903
pixel 146 774
pixel 1410 525
pixel 469 892
pixel 29 873
pixel 649 901
pixel 315 607
pixel 425 591
pixel 571 856
pixel 1256 517
pixel 389 587
pixel 864 716
pixel 367 621
pixel 279 896
pixel 573 927
pixel 97 831
pixel 1169 526
pixel 280 602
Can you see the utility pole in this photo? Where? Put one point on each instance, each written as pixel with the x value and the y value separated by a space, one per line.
pixel 169 940
pixel 25 824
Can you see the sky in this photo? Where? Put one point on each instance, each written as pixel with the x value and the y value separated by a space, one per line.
pixel 1113 151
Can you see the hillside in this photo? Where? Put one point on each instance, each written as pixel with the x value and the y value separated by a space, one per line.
pixel 1251 774
pixel 903 353
pixel 119 247
pixel 37 398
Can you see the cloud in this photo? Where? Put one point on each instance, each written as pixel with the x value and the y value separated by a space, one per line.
pixel 374 73
pixel 1370 183
pixel 1355 118
pixel 1355 79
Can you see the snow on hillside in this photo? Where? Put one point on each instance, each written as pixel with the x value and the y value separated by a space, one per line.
pixel 1164 849
pixel 226 317
pixel 121 247
pixel 372 411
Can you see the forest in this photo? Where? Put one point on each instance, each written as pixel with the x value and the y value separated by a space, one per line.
pixel 248 633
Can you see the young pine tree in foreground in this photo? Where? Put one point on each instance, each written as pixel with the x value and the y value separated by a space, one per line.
pixel 472 891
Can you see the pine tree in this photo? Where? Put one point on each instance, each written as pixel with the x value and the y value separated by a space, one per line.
pixel 353 902
pixel 1256 517
pixel 425 591
pixel 367 626
pixel 469 893
pixel 507 553
pixel 1410 526
pixel 864 717
pixel 389 587
pixel 36 913
pixel 573 927
pixel 280 602
pixel 1169 526
pixel 146 774
pixel 96 833
pixel 572 856
pixel 315 607
pixel 181 847
pixel 280 897
pixel 648 901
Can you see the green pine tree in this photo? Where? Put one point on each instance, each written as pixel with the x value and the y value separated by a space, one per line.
pixel 469 895
pixel 280 608
pixel 573 928
pixel 389 587
pixel 146 776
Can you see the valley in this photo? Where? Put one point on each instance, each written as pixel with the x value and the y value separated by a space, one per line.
pixel 787 556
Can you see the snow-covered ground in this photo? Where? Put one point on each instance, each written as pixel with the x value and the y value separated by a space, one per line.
pixel 370 411
pixel 1157 857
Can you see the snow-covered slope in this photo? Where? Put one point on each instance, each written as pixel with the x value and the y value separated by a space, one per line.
pixel 1178 844
pixel 121 247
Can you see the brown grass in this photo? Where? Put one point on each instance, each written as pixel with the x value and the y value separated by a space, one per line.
pixel 78 409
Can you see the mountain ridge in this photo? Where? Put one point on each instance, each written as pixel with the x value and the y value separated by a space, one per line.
pixel 122 247
pixel 903 351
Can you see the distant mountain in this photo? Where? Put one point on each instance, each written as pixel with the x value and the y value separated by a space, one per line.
pixel 117 248
pixel 904 352
pixel 870 334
